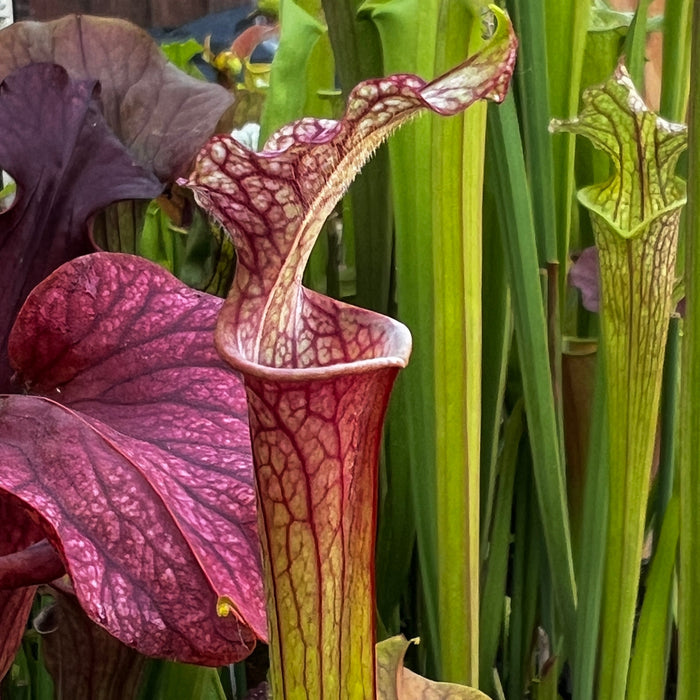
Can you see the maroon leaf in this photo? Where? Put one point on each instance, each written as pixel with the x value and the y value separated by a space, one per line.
pixel 158 112
pixel 67 165
pixel 36 564
pixel 14 610
pixel 17 531
pixel 161 114
pixel 138 461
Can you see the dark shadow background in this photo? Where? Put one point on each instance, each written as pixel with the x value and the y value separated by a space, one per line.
pixel 145 13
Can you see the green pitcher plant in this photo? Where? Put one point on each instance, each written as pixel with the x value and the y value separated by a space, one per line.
pixel 635 217
pixel 318 375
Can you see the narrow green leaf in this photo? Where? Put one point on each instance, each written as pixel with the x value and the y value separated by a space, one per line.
pixel 548 683
pixel 566 30
pixel 496 566
pixel 674 98
pixel 165 680
pixel 532 79
pixel 591 559
pixel 527 570
pixel 201 255
pixel 28 678
pixel 635 45
pixel 496 343
pixel 498 687
pixel 118 227
pixel 458 162
pixel 436 254
pixel 359 57
pixel 16 684
pixel 669 422
pixel 647 677
pixel 689 475
pixel 517 229
pixel 396 534
pixel 675 72
pixel 408 31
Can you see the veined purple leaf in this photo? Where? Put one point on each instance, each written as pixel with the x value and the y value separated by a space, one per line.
pixel 159 113
pixel 137 458
pixel 67 165
pixel 318 372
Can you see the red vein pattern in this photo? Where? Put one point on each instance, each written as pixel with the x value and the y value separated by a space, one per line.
pixel 316 445
pixel 274 204
pixel 318 372
pixel 137 459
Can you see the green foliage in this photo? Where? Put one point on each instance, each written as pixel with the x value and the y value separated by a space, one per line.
pixel 28 679
pixel 303 67
pixel 181 53
pixel 165 680
pixel 201 255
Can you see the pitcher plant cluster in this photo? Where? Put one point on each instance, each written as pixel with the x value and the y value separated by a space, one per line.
pixel 200 452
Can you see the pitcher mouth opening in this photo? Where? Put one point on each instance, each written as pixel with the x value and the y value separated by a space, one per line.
pixel 372 342
pixel 304 374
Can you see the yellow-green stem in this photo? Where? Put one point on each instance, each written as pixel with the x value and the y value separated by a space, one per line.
pixel 458 162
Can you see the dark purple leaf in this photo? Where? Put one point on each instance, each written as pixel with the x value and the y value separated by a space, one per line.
pixel 161 114
pixel 138 459
pixel 67 165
